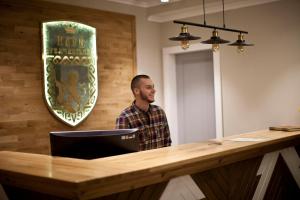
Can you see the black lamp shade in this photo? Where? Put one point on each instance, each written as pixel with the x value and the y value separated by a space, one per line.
pixel 240 41
pixel 184 36
pixel 215 39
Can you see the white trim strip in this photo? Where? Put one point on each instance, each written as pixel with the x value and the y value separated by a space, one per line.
pixel 170 88
pixel 267 166
pixel 292 160
pixel 266 169
pixel 3 195
pixel 182 187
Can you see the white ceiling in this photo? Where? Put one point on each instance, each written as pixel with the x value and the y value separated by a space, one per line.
pixel 179 9
pixel 143 3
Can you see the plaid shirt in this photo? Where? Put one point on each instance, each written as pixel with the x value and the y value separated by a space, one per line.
pixel 153 126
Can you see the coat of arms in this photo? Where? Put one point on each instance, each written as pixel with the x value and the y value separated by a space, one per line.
pixel 70 70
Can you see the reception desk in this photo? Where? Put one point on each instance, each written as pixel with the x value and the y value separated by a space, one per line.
pixel 259 165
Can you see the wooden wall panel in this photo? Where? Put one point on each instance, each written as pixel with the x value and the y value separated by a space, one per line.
pixel 298 150
pixel 25 120
pixel 230 182
pixel 282 184
pixel 150 192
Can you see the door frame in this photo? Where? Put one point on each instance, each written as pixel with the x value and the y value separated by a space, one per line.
pixel 170 87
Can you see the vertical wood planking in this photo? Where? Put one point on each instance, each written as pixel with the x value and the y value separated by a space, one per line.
pixel 25 120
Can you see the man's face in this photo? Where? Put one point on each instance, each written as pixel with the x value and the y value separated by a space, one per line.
pixel 146 90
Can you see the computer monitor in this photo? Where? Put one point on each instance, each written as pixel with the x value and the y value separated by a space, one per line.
pixel 94 144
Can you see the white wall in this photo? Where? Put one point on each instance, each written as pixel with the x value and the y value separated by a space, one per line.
pixel 148 47
pixel 261 87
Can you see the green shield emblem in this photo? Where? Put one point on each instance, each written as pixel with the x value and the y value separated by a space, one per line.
pixel 70 70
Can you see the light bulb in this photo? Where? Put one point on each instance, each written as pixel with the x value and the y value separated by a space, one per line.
pixel 215 47
pixel 185 44
pixel 240 49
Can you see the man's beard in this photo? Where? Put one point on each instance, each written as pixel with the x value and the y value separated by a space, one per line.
pixel 144 97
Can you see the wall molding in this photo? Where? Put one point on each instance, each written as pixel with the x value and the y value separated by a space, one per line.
pixel 143 4
pixel 211 7
pixel 170 87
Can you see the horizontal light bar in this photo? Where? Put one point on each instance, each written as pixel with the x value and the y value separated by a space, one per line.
pixel 209 26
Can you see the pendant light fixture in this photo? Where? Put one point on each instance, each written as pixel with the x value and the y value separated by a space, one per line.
pixel 240 43
pixel 215 40
pixel 184 37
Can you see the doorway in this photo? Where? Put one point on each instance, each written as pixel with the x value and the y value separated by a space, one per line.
pixel 171 82
pixel 195 96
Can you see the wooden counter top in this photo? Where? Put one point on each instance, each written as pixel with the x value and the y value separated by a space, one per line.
pixel 85 179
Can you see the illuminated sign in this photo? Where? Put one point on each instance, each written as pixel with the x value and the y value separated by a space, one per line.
pixel 70 70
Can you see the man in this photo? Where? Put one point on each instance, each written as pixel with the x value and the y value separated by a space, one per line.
pixel 149 119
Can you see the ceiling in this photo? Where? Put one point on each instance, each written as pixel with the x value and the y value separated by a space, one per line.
pixel 143 3
pixel 179 9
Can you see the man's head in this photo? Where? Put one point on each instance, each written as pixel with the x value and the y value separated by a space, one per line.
pixel 143 88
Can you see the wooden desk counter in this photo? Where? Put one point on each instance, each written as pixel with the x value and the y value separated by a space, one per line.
pixel 67 178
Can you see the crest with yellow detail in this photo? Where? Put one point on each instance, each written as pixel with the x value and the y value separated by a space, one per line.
pixel 70 70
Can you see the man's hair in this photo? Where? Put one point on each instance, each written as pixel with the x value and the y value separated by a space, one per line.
pixel 135 81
